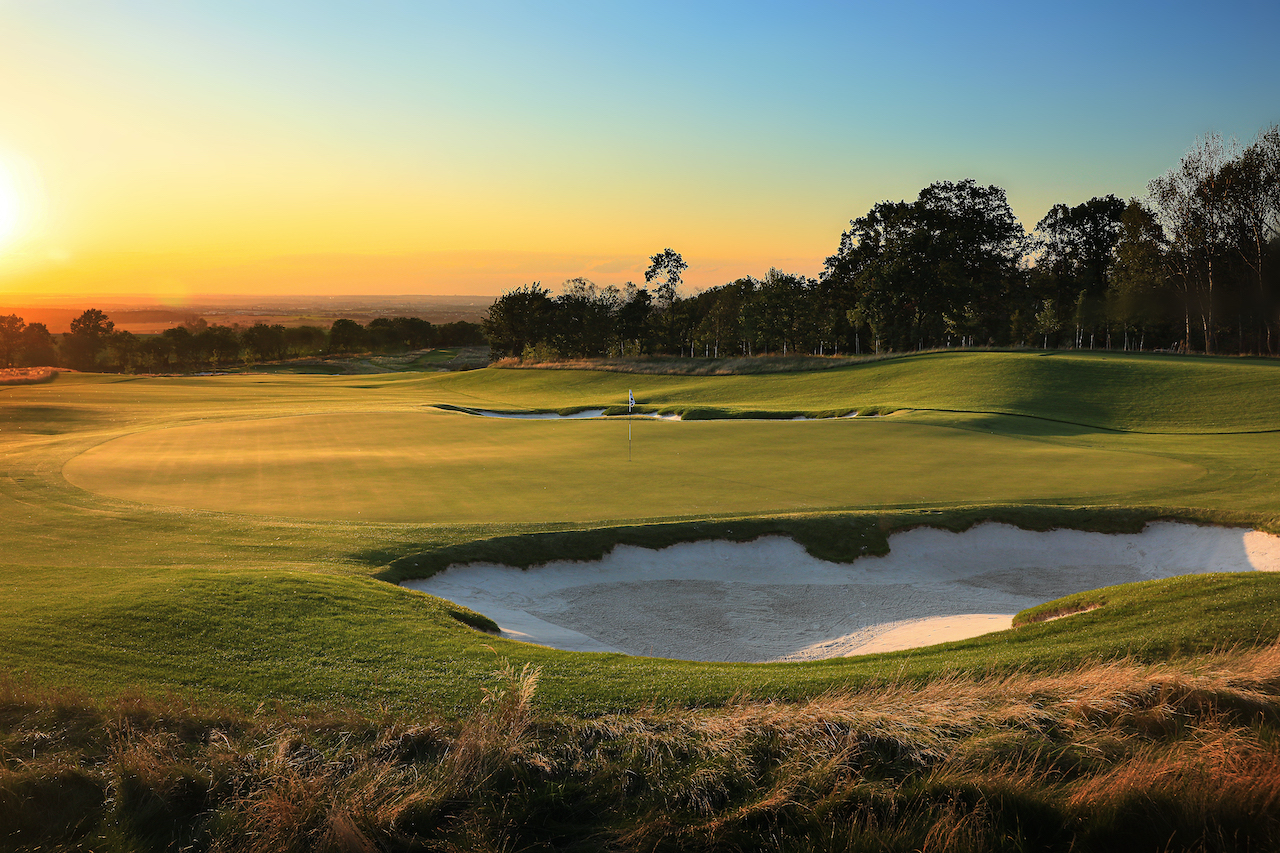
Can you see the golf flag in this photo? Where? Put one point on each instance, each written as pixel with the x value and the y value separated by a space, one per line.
pixel 631 401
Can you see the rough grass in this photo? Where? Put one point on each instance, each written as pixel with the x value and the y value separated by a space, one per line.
pixel 27 375
pixel 1169 757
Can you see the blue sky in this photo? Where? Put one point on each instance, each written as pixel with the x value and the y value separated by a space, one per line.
pixel 171 140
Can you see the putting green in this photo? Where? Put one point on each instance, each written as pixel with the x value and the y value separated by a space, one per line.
pixel 428 467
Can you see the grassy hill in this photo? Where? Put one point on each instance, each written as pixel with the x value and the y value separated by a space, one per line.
pixel 214 506
pixel 1139 392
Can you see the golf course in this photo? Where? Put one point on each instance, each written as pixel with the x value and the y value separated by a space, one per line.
pixel 238 541
pixel 154 524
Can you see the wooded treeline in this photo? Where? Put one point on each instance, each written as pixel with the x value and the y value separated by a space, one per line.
pixel 1193 267
pixel 94 344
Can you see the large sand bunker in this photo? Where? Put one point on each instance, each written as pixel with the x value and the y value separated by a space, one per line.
pixel 770 600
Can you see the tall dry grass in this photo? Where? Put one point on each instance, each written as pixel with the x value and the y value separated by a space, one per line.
pixel 1172 757
pixel 28 375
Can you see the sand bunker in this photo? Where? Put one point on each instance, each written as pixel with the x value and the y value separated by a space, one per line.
pixel 769 600
pixel 598 413
pixel 537 416
pixel 552 416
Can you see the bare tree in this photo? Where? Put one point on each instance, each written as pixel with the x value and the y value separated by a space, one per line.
pixel 1252 196
pixel 1191 201
pixel 668 266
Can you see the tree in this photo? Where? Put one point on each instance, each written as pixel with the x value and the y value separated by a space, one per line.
pixel 668 267
pixel 635 304
pixel 1078 243
pixel 584 319
pixel 346 335
pixel 390 334
pixel 305 340
pixel 777 312
pixel 922 273
pixel 1191 202
pixel 155 353
pixel 92 323
pixel 1139 284
pixel 1252 198
pixel 11 328
pixel 459 333
pixel 218 345
pixel 183 349
pixel 36 346
pixel 720 312
pixel 1077 251
pixel 518 319
pixel 88 338
pixel 1046 319
pixel 264 342
pixel 125 351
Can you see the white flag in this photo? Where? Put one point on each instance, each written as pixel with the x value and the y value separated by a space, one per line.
pixel 631 401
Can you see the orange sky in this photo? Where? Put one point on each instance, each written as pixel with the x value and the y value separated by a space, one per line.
pixel 172 150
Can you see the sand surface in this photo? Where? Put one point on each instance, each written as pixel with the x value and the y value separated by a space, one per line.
pixel 552 416
pixel 770 600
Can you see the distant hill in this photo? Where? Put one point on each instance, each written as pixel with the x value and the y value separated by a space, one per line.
pixel 146 316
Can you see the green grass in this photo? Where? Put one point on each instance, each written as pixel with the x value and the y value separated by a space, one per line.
pixel 257 579
pixel 452 468
pixel 435 356
pixel 1143 393
pixel 246 635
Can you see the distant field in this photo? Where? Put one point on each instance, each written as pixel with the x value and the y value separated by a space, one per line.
pixel 220 534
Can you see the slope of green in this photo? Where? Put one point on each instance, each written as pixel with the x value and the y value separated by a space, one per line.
pixel 1140 392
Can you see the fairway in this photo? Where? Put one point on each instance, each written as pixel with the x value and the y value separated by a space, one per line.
pixel 429 467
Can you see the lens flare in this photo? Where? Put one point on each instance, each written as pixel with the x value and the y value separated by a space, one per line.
pixel 8 207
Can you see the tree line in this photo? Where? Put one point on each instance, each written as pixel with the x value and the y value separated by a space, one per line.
pixel 1195 266
pixel 94 343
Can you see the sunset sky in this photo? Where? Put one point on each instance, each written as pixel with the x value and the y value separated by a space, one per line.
pixel 171 149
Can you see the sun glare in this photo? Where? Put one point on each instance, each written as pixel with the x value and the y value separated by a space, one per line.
pixel 8 207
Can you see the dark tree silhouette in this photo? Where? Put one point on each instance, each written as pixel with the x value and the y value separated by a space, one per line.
pixel 88 339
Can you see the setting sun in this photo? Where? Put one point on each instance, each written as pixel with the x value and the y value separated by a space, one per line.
pixel 8 207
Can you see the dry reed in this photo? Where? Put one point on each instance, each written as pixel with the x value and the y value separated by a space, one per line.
pixel 1174 756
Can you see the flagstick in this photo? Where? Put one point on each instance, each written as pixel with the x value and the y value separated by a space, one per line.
pixel 628 438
